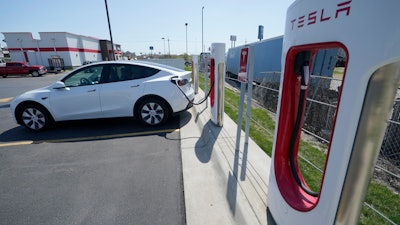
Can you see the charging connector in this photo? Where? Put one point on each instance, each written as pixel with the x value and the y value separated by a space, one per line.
pixel 181 82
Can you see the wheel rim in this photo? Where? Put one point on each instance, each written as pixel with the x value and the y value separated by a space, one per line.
pixel 33 118
pixel 152 113
pixel 35 73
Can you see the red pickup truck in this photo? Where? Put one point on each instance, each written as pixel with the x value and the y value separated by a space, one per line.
pixel 12 68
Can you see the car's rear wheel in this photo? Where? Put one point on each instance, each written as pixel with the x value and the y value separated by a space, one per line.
pixel 34 117
pixel 152 111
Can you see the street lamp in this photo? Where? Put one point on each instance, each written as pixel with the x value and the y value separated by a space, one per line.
pixel 202 32
pixel 54 44
pixel 186 24
pixel 164 45
pixel 169 50
pixel 22 49
pixel 109 28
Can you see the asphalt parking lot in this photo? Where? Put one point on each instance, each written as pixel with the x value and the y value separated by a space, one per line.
pixel 112 171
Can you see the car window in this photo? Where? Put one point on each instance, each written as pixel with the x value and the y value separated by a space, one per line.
pixel 143 72
pixel 85 76
pixel 123 72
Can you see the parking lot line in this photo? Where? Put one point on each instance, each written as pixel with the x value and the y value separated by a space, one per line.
pixel 100 137
pixel 15 143
pixel 3 100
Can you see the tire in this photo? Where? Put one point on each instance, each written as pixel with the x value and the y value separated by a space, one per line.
pixel 152 112
pixel 35 73
pixel 4 75
pixel 34 117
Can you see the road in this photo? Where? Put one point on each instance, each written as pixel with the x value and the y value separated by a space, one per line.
pixel 110 171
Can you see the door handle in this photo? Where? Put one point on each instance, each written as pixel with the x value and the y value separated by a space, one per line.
pixel 137 85
pixel 92 90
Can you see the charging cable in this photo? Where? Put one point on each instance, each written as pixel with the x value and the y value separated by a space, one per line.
pixel 305 79
pixel 192 101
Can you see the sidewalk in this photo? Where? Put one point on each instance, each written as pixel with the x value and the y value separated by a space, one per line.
pixel 221 185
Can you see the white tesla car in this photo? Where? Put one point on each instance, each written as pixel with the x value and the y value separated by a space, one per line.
pixel 147 91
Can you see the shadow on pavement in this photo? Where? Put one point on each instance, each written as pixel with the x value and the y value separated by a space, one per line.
pixel 91 129
pixel 204 146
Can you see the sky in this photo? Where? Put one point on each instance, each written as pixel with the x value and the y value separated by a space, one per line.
pixel 137 25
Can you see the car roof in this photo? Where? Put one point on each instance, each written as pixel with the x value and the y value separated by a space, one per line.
pixel 141 63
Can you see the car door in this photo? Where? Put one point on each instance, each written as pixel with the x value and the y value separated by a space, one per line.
pixel 19 68
pixel 80 98
pixel 12 68
pixel 122 89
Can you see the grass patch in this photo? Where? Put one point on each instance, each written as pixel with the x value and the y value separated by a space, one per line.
pixel 262 132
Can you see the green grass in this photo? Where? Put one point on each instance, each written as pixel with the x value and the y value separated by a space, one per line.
pixel 262 130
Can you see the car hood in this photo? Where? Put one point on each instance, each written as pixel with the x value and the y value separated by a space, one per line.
pixel 35 94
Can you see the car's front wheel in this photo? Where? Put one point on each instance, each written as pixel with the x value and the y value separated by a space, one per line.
pixel 34 117
pixel 35 73
pixel 152 111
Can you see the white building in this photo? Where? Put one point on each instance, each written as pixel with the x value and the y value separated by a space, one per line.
pixel 72 49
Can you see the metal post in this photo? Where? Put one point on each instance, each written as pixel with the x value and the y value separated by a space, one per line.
pixel 22 49
pixel 240 115
pixel 205 60
pixel 164 45
pixel 169 50
pixel 195 72
pixel 40 53
pixel 186 24
pixel 220 100
pixel 109 28
pixel 202 32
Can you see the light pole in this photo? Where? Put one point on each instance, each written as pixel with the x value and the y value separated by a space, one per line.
pixel 186 24
pixel 109 28
pixel 22 49
pixel 202 32
pixel 164 45
pixel 169 50
pixel 40 53
pixel 54 44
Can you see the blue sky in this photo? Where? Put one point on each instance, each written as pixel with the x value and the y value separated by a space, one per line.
pixel 137 25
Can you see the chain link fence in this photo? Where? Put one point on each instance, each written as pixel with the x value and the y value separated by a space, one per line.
pixel 323 96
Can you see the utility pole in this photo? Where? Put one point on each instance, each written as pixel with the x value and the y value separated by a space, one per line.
pixel 202 31
pixel 109 28
pixel 186 24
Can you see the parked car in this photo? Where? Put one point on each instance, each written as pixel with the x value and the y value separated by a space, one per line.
pixel 150 92
pixel 12 68
pixel 88 62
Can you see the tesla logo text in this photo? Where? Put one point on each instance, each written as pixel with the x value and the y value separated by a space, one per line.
pixel 321 16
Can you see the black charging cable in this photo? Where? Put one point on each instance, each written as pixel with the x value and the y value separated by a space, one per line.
pixel 305 77
pixel 192 101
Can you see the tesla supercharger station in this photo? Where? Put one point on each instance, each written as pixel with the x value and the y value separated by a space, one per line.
pixel 217 80
pixel 366 35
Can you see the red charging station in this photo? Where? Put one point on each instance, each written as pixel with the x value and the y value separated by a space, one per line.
pixel 244 55
pixel 365 34
pixel 217 81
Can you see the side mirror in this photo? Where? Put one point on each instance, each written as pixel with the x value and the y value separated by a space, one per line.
pixel 58 85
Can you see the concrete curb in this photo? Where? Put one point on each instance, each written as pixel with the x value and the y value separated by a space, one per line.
pixel 222 186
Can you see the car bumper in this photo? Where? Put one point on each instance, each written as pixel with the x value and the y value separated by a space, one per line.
pixel 42 71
